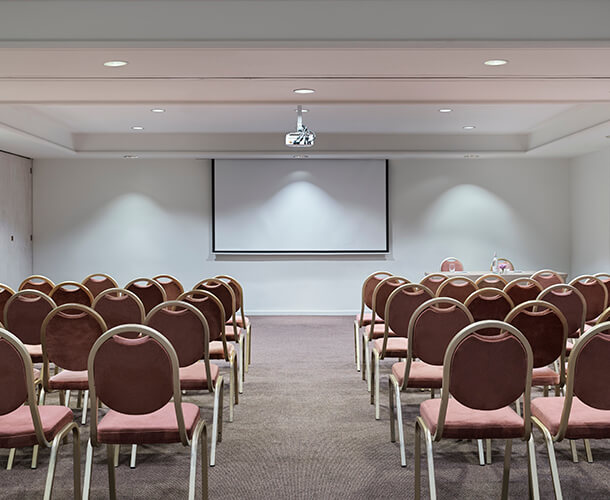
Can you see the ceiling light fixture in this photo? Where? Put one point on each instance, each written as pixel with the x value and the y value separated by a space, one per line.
pixel 303 91
pixel 468 127
pixel 300 157
pixel 130 157
pixel 445 110
pixel 158 110
pixel 302 111
pixel 495 62
pixel 115 64
pixel 302 137
pixel 471 156
pixel 137 127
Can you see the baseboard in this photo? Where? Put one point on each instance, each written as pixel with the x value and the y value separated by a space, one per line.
pixel 339 312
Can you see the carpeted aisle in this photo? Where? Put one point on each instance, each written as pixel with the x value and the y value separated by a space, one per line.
pixel 304 429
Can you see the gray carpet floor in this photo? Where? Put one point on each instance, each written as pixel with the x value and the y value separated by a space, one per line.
pixel 304 429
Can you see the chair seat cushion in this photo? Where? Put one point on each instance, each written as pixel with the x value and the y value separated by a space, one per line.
pixel 396 347
pixel 462 422
pixel 195 376
pixel 35 351
pixel 69 380
pixel 421 375
pixel 238 321
pixel 216 350
pixel 230 335
pixel 544 376
pixel 584 421
pixel 159 426
pixel 378 330
pixel 367 318
pixel 35 374
pixel 17 428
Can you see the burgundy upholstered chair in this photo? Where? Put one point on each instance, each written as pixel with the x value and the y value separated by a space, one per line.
pixel 71 292
pixel 220 349
pixel 24 425
pixel 148 291
pixel 187 330
pixel 399 307
pixel 6 292
pixel 603 317
pixel 491 280
pixel 475 403
pixel 523 289
pixel 37 282
pixel 449 262
pixel 457 287
pixel 67 334
pixel 489 303
pixel 605 277
pixel 571 303
pixel 172 286
pixel 431 328
pixel 433 280
pixel 547 277
pixel 24 313
pixel 595 293
pixel 138 380
pixel 118 307
pixel 584 412
pixel 97 283
pixel 365 316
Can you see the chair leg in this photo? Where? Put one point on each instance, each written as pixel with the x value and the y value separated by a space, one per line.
pixel 34 456
pixel 430 457
pixel 85 405
pixel 79 399
pixel 532 470
pixel 377 384
pixel 249 336
pixel 117 450
pixel 242 361
pixel 548 440
pixel 88 471
pixel 48 489
pixel 240 369
pixel 588 451
pixel 110 454
pixel 506 474
pixel 357 345
pixel 481 452
pixel 134 456
pixel 232 391
pixel 76 462
pixel 41 396
pixel 392 414
pixel 199 439
pixel 417 460
pixel 372 374
pixel 11 459
pixel 401 434
pixel 215 421
pixel 68 394
pixel 363 353
pixel 221 411
pixel 488 451
pixel 574 452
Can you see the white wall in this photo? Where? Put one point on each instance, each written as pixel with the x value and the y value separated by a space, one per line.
pixel 15 219
pixel 590 179
pixel 142 217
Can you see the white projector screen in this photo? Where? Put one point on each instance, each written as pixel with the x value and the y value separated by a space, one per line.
pixel 300 206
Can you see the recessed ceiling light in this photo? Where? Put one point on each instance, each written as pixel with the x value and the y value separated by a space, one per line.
pixel 468 127
pixel 495 62
pixel 445 110
pixel 300 156
pixel 303 91
pixel 130 157
pixel 158 110
pixel 303 110
pixel 115 64
pixel 470 156
pixel 137 127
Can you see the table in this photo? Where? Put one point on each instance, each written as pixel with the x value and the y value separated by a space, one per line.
pixel 508 275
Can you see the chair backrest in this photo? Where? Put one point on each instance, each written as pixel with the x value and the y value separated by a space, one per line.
pixel 605 277
pixel 119 307
pixel 381 294
pixel 570 302
pixel 172 286
pixel 523 289
pixel 489 303
pixel 368 288
pixel 504 264
pixel 37 282
pixel 450 262
pixel 134 376
pixel 97 283
pixel 545 328
pixel 547 277
pixel 433 280
pixel 491 280
pixel 238 292
pixel 586 377
pixel 487 372
pixel 67 335
pixel 6 292
pixel 211 308
pixel 148 291
pixel 224 293
pixel 595 293
pixel 71 292
pixel 457 287
pixel 402 303
pixel 603 317
pixel 24 313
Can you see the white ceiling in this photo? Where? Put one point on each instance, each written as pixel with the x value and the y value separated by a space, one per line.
pixel 374 96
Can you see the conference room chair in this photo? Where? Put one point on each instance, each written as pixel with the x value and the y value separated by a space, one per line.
pixel 187 330
pixel 491 280
pixel 364 318
pixel 489 303
pixel 241 320
pixel 451 264
pixel 603 317
pixel 172 286
pixel 584 411
pixel 118 307
pixel 37 282
pixel 24 425
pixel 71 292
pixel 475 404
pixel 219 349
pixel 67 335
pixel 605 277
pixel 6 292
pixel 595 293
pixel 503 264
pixel 433 280
pixel 98 282
pixel 431 327
pixel 138 380
pixel 547 277
pixel 523 289
pixel 572 305
pixel 148 291
pixel 399 307
pixel 377 330
pixel 457 287
pixel 233 333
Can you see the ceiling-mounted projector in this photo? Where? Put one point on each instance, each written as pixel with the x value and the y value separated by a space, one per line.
pixel 303 137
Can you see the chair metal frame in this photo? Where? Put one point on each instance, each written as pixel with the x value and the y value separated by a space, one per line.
pixel 168 278
pixel 484 281
pixel 454 279
pixel 74 284
pixel 35 277
pixel 121 291
pixel 590 277
pixel 150 282
pixel 103 275
pixel 515 283
pixel 430 277
pixel 547 271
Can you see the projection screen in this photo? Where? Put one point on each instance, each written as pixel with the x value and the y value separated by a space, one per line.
pixel 299 206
